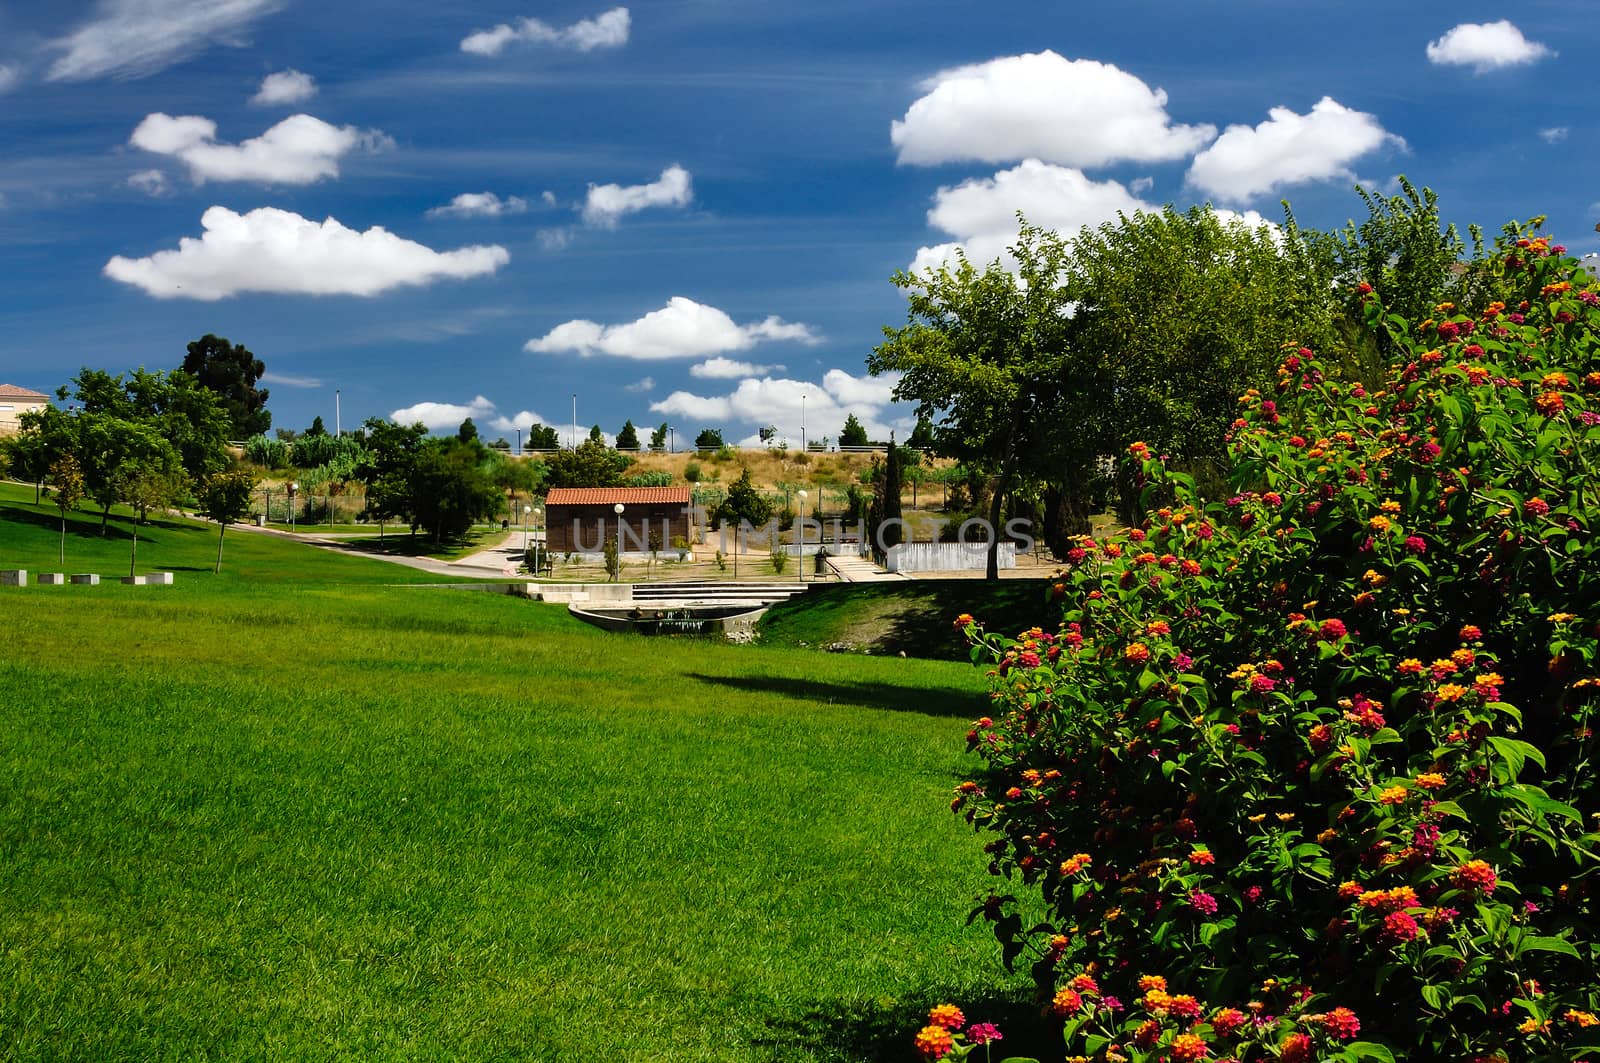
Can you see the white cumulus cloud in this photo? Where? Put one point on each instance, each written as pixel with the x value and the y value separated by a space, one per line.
pixel 790 405
pixel 298 150
pixel 981 213
pixel 1485 46
pixel 606 30
pixel 480 205
pixel 438 416
pixel 681 329
pixel 271 250
pixel 286 87
pixel 641 385
pixel 607 203
pixel 720 368
pixel 1075 112
pixel 133 38
pixel 1287 149
pixel 8 77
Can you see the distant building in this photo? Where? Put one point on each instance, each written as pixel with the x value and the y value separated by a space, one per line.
pixel 14 402
pixel 579 520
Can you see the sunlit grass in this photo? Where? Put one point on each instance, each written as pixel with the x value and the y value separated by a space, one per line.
pixel 295 811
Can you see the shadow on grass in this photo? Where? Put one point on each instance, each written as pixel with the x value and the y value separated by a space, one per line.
pixel 946 701
pixel 882 1031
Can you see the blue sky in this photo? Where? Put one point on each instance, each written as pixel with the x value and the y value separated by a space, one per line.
pixel 689 210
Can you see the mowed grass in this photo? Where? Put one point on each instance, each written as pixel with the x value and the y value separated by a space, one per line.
pixel 296 812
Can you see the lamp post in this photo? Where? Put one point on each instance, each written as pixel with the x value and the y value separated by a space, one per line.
pixel 802 422
pixel 538 519
pixel 527 511
pixel 293 487
pixel 519 442
pixel 801 494
pixel 672 440
pixel 617 509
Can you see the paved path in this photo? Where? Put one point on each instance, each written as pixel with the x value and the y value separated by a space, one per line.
pixel 854 569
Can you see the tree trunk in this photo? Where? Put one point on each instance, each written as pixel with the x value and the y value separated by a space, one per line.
pixel 222 529
pixel 63 561
pixel 105 515
pixel 133 558
pixel 1002 485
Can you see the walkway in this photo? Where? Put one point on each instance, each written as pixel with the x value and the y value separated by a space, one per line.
pixel 853 569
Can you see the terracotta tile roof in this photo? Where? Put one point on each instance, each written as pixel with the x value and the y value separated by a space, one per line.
pixel 610 496
pixel 11 391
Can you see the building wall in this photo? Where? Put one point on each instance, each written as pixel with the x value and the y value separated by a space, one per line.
pixel 11 411
pixel 584 529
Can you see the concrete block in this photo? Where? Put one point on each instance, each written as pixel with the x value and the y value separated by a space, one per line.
pixel 86 579
pixel 159 579
pixel 135 581
pixel 13 577
pixel 51 579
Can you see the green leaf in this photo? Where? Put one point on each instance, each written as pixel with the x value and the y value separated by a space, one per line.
pixel 1369 1050
pixel 1549 944
pixel 1385 736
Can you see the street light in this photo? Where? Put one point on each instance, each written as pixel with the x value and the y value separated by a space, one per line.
pixel 293 487
pixel 672 440
pixel 801 494
pixel 617 509
pixel 527 511
pixel 538 518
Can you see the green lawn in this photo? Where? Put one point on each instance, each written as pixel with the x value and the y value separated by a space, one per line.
pixel 916 618
pixel 301 810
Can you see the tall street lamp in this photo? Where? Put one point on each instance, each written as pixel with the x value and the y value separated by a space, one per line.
pixel 801 494
pixel 672 440
pixel 293 487
pixel 527 511
pixel 538 518
pixel 617 509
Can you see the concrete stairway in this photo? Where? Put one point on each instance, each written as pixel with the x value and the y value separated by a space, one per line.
pixel 716 592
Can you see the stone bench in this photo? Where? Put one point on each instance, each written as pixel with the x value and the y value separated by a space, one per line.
pixel 51 579
pixel 86 579
pixel 13 577
pixel 153 579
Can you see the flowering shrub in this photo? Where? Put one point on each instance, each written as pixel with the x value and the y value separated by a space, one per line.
pixel 1322 756
pixel 949 1037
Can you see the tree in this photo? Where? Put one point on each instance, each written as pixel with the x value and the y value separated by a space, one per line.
pixel 889 512
pixel 987 352
pixel 543 437
pixel 744 504
pixel 852 434
pixel 658 438
pixel 29 456
pixel 708 439
pixel 450 490
pixel 768 434
pixel 224 498
pixel 230 372
pixel 392 451
pixel 596 436
pixel 591 465
pixel 922 437
pixel 628 438
pixel 468 432
pixel 66 491
pixel 146 479
pixel 318 429
pixel 1181 313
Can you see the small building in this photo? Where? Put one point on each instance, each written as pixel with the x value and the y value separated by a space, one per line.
pixel 14 402
pixel 579 520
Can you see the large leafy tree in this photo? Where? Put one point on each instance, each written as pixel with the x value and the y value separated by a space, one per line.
pixel 543 437
pixel 1181 313
pixel 593 464
pixel 853 434
pixel 391 455
pixel 986 354
pixel 231 372
pixel 451 488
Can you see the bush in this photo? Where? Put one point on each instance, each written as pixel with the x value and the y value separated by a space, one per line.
pixel 691 472
pixel 649 479
pixel 1323 754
